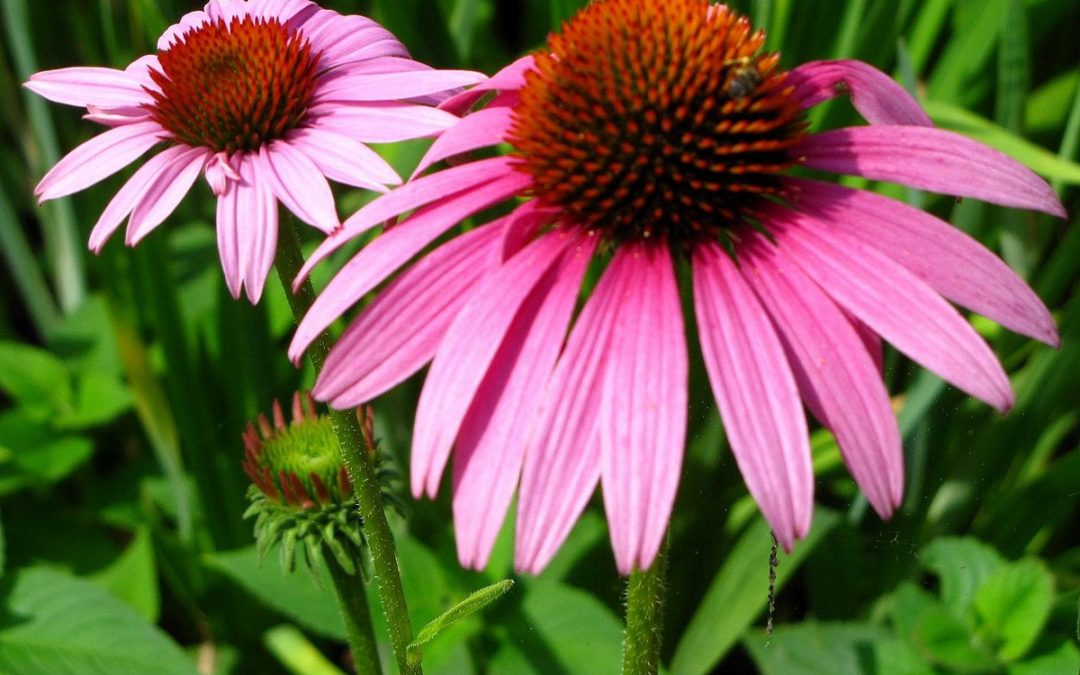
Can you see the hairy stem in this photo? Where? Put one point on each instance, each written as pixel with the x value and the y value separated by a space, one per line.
pixel 354 610
pixel 645 617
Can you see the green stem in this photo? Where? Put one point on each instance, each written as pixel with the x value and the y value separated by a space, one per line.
pixel 645 617
pixel 355 612
pixel 357 462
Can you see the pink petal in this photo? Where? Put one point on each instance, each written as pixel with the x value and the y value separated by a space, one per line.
pixel 98 158
pixel 88 86
pixel 562 455
pixel 177 30
pixel 894 303
pixel 466 352
pixel 348 39
pixel 382 121
pixel 838 380
pixel 930 159
pixel 116 117
pixel 344 160
pixel 416 193
pixel 257 228
pixel 871 341
pixel 400 330
pixel 395 86
pixel 510 78
pixel 130 194
pixel 164 192
pixel 229 215
pixel 378 260
pixel 491 442
pixel 298 183
pixel 756 391
pixel 947 259
pixel 282 10
pixel 524 224
pixel 643 411
pixel 477 130
pixel 877 97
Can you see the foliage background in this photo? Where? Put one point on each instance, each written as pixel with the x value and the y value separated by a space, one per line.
pixel 125 381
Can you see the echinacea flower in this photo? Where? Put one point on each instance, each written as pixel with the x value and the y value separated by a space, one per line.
pixel 649 136
pixel 267 99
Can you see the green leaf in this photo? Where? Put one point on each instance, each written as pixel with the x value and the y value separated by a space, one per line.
pixel 833 649
pixel 296 653
pixel 1038 159
pixel 35 378
pixel 294 595
pixel 1064 659
pixel 132 577
pixel 734 600
pixel 909 603
pixel 962 565
pixel 1014 604
pixel 470 605
pixel 56 624
pixel 947 641
pixel 99 398
pixel 3 558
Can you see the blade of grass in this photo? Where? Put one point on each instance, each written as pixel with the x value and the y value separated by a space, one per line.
pixel 25 271
pixel 63 243
pixel 927 29
pixel 1070 140
pixel 854 13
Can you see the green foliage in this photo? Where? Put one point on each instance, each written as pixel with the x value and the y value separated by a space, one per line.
pixel 475 602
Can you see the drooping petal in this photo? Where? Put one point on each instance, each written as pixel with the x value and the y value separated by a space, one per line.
pixel 344 160
pixel 490 446
pixel 877 97
pixel 510 78
pixel 397 86
pixel 228 223
pixel 298 183
pixel 473 176
pixel 477 130
pixel 257 229
pixel 466 352
pixel 756 392
pixel 835 374
pixel 382 121
pixel 562 455
pixel 930 159
pixel 98 158
pixel 89 86
pixel 400 330
pixel 643 412
pixel 378 260
pixel 894 303
pixel 129 195
pixel 948 260
pixel 164 192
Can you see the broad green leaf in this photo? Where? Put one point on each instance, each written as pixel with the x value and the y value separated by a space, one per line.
pixel 470 605
pixel 1047 108
pixel 909 603
pixel 1013 604
pixel 296 653
pixel 962 565
pixel 833 649
pixel 133 577
pixel 294 595
pixel 35 378
pixel 738 594
pixel 1064 659
pixel 56 624
pixel 1038 159
pixel 947 641
pixel 99 398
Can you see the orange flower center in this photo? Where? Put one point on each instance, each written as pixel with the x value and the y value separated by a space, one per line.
pixel 647 119
pixel 234 86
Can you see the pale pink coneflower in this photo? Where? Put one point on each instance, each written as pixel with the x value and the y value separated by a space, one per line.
pixel 267 99
pixel 647 134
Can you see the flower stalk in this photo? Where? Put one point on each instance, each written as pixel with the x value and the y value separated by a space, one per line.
pixel 360 466
pixel 645 591
pixel 354 610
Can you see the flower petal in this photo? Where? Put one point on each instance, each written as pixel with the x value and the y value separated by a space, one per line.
pixel 930 159
pixel 344 160
pixel 510 78
pixel 894 303
pixel 98 158
pixel 562 455
pixel 465 354
pixel 257 229
pixel 835 374
pixel 229 215
pixel 298 183
pixel 643 411
pixel 378 260
pixel 382 121
pixel 129 195
pixel 490 446
pixel 164 192
pixel 477 130
pixel 394 86
pixel 89 86
pixel 349 38
pixel 947 259
pixel 186 23
pixel 400 330
pixel 756 391
pixel 877 97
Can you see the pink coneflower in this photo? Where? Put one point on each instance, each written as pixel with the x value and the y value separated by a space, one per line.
pixel 649 136
pixel 268 99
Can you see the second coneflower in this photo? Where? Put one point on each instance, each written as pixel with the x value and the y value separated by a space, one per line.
pixel 645 135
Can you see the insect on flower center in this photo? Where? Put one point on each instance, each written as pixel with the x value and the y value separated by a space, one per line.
pixel 648 119
pixel 234 86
